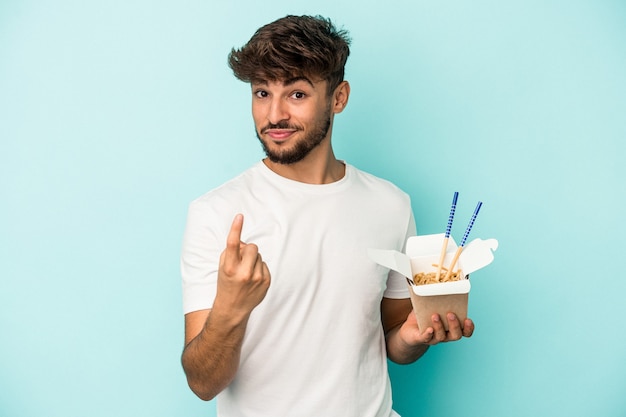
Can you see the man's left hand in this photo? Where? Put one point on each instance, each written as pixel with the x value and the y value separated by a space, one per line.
pixel 411 334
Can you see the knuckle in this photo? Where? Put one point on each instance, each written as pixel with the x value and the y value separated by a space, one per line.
pixel 259 276
pixel 229 269
pixel 232 240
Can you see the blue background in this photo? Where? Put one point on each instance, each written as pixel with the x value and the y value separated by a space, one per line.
pixel 114 115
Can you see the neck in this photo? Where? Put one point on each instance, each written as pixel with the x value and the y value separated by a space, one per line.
pixel 319 167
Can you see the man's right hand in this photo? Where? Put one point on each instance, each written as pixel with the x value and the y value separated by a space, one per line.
pixel 213 337
pixel 243 278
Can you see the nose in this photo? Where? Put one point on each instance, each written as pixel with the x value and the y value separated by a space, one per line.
pixel 277 111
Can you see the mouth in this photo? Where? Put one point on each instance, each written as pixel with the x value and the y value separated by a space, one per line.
pixel 279 135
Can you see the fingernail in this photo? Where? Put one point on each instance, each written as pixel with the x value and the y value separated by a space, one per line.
pixel 451 317
pixel 436 318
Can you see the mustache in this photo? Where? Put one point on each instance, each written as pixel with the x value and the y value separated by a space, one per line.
pixel 283 124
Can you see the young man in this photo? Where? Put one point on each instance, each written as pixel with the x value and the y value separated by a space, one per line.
pixel 287 316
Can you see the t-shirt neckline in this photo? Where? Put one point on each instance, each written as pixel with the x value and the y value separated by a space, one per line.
pixel 303 186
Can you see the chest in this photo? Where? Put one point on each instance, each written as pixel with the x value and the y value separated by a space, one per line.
pixel 316 250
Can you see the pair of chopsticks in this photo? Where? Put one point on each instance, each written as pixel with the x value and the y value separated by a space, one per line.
pixel 447 236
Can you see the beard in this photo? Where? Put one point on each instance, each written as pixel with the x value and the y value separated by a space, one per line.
pixel 303 147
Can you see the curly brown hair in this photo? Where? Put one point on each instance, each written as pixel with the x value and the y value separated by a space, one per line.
pixel 293 46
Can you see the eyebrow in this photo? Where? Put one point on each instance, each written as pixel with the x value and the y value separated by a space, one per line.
pixel 288 81
pixel 294 80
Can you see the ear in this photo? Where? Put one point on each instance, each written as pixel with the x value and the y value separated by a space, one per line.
pixel 340 97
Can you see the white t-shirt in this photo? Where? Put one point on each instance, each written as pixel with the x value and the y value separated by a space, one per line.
pixel 314 346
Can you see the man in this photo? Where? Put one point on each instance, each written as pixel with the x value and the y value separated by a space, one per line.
pixel 287 316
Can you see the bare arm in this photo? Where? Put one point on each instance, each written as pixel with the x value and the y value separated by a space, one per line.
pixel 213 338
pixel 406 343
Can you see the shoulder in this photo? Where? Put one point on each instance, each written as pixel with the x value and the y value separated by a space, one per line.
pixel 380 186
pixel 227 191
pixel 216 208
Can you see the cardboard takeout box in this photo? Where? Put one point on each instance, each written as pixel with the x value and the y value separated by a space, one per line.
pixel 422 255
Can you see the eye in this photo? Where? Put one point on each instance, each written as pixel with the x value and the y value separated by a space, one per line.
pixel 298 95
pixel 261 93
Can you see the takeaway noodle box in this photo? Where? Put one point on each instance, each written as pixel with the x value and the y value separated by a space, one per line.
pixel 422 254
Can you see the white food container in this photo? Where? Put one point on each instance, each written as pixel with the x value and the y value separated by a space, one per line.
pixel 422 253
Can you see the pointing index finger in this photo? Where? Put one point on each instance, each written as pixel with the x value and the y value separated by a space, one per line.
pixel 233 240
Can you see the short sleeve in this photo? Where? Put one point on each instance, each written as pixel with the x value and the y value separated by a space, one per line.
pixel 397 286
pixel 199 258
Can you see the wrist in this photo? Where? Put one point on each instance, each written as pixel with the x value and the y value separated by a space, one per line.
pixel 403 351
pixel 224 316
